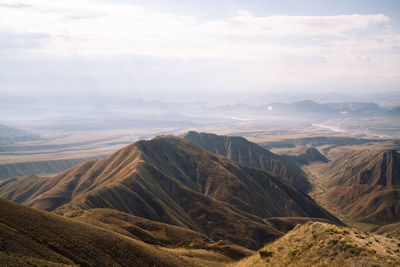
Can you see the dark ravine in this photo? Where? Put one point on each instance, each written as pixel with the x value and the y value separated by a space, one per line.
pixel 169 179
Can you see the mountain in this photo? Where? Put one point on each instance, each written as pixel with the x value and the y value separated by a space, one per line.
pixel 321 244
pixel 311 154
pixel 9 135
pixel 304 156
pixel 320 110
pixel 365 185
pixel 395 112
pixel 356 108
pixel 18 169
pixel 308 106
pixel 319 141
pixel 162 234
pixel 171 180
pixel 249 154
pixel 30 237
pixel 392 229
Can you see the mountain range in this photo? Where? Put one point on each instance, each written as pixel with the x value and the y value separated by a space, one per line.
pixel 171 180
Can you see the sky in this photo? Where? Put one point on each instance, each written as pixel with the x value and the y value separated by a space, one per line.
pixel 164 49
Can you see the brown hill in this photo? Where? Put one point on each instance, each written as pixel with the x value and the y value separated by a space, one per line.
pixel 389 229
pixel 366 186
pixel 148 231
pixel 156 233
pixel 311 154
pixel 321 244
pixel 171 180
pixel 303 156
pixel 30 237
pixel 249 154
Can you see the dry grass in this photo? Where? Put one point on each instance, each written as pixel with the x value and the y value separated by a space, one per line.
pixel 321 244
pixel 30 237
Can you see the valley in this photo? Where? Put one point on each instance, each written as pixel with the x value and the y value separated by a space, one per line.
pixel 215 199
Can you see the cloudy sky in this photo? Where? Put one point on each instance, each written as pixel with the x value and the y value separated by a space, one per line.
pixel 162 48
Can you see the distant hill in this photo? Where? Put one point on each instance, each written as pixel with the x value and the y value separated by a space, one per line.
pixel 9 135
pixel 12 170
pixel 321 244
pixel 169 179
pixel 319 141
pixel 249 154
pixel 394 112
pixel 304 156
pixel 311 108
pixel 311 154
pixel 366 185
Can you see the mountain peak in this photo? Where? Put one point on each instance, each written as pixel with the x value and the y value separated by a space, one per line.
pixel 311 154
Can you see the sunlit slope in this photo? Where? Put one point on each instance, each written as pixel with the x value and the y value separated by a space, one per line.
pixel 321 244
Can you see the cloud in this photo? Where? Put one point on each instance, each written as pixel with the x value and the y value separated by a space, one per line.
pixel 268 50
pixel 89 28
pixel 14 5
pixel 247 24
pixel 13 41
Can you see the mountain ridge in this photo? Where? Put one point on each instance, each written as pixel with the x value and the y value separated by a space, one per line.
pixel 249 154
pixel 171 180
pixel 365 185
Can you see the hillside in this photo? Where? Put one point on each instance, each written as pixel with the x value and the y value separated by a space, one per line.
pixel 246 153
pixel 161 234
pixel 311 154
pixel 171 180
pixel 389 229
pixel 365 186
pixel 321 244
pixel 303 156
pixel 30 237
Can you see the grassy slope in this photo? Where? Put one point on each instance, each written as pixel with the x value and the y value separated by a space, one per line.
pixel 321 244
pixel 30 235
pixel 156 233
pixel 392 229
